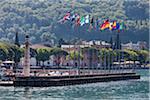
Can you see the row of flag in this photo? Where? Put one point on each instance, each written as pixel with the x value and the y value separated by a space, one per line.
pixel 94 22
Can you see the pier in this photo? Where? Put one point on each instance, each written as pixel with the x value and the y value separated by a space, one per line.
pixel 72 80
pixel 99 69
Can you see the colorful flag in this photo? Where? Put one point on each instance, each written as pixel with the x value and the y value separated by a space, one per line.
pixel 105 25
pixel 78 21
pixel 112 25
pixel 72 18
pixel 121 26
pixel 117 27
pixel 82 21
pixel 92 20
pixel 87 19
pixel 94 23
pixel 67 16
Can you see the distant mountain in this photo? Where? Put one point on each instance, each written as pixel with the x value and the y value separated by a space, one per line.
pixel 39 18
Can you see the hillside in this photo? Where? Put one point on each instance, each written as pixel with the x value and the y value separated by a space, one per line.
pixel 39 18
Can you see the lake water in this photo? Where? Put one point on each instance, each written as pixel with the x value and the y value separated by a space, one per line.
pixel 120 90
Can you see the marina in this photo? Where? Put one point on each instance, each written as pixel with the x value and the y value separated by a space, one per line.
pixel 74 50
pixel 72 80
pixel 107 71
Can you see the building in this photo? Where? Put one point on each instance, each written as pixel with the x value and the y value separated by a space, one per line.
pixel 94 43
pixel 135 46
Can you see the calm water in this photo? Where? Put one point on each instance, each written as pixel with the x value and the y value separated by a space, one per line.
pixel 121 90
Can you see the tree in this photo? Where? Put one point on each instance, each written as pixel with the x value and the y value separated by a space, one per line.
pixel 17 40
pixel 58 53
pixel 74 55
pixel 3 51
pixel 143 56
pixel 8 52
pixel 42 17
pixel 48 37
pixel 18 53
pixel 107 56
pixel 61 42
pixel 92 55
pixel 3 54
pixel 42 55
pixel 131 55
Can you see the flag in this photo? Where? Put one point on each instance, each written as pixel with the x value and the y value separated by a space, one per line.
pixel 78 21
pixel 110 25
pixel 72 18
pixel 122 26
pixel 113 25
pixel 82 21
pixel 87 17
pixel 92 20
pixel 117 26
pixel 105 25
pixel 91 23
pixel 67 16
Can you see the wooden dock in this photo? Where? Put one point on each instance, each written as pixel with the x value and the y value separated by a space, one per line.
pixel 34 81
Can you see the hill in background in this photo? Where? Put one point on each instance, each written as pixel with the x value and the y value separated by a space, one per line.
pixel 39 18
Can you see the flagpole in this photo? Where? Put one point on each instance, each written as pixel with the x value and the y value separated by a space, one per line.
pixel 97 59
pixel 109 61
pixel 69 60
pixel 100 61
pixel 112 60
pixel 89 59
pixel 79 60
pixel 104 61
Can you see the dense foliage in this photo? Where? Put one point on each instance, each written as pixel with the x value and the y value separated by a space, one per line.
pixel 39 18
pixel 14 53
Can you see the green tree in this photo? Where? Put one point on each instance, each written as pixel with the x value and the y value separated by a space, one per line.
pixel 61 42
pixel 92 54
pixel 3 51
pixel 131 55
pixel 58 53
pixel 107 56
pixel 42 55
pixel 74 55
pixel 48 37
pixel 143 56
